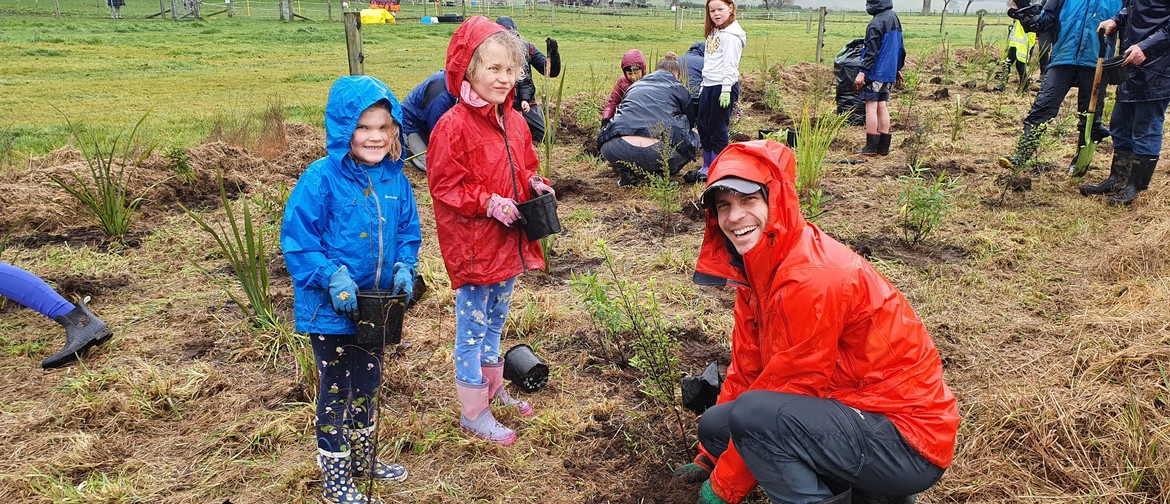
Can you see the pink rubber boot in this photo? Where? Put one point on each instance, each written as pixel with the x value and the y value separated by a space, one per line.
pixel 477 419
pixel 494 375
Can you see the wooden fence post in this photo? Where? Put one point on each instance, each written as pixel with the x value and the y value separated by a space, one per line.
pixel 979 29
pixel 285 10
pixel 174 10
pixel 329 9
pixel 821 35
pixel 57 8
pixel 808 25
pixel 353 43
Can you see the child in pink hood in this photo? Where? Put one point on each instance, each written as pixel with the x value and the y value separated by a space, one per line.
pixel 633 68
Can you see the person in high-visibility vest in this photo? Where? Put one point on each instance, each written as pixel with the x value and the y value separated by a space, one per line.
pixel 1019 50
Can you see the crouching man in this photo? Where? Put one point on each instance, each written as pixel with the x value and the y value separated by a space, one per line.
pixel 835 392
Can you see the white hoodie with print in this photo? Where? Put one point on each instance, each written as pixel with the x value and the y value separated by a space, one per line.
pixel 721 61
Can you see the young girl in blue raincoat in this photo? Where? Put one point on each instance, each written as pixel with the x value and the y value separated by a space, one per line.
pixel 350 224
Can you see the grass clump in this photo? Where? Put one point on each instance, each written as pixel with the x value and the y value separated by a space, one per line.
pixel 105 195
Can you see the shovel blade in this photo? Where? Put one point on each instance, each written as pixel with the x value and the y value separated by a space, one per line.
pixel 1085 154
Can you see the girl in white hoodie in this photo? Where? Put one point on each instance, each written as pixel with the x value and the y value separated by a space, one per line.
pixel 725 43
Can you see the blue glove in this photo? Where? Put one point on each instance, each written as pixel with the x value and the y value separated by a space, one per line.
pixel 707 495
pixel 343 293
pixel 724 99
pixel 403 280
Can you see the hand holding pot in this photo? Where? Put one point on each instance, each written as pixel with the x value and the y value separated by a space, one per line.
pixel 1134 55
pixel 403 280
pixel 539 187
pixel 502 209
pixel 343 292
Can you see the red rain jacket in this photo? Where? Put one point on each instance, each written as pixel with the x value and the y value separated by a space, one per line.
pixel 470 157
pixel 814 318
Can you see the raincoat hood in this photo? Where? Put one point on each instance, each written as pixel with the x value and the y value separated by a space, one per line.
pixel 464 41
pixel 633 57
pixel 772 165
pixel 348 98
pixel 507 22
pixel 873 7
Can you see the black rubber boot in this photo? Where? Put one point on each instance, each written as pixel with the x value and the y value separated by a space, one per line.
pixel 871 145
pixel 883 146
pixel 1026 146
pixel 1141 170
pixel 1118 175
pixel 82 330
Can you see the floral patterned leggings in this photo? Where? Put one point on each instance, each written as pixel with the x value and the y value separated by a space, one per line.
pixel 350 375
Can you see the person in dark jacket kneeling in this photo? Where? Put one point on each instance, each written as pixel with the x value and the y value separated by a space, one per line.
pixel 835 391
pixel 651 132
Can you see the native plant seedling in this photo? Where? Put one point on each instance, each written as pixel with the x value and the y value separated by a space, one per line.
pixel 924 201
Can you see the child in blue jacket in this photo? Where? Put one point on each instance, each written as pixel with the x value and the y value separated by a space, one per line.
pixel 882 57
pixel 351 223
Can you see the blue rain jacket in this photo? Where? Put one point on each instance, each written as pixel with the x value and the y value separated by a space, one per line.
pixel 344 214
pixel 425 104
pixel 1075 22
pixel 883 53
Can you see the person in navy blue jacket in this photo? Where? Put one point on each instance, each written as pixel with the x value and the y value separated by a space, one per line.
pixel 350 224
pixel 423 107
pixel 1073 63
pixel 692 66
pixel 882 57
pixel 1142 98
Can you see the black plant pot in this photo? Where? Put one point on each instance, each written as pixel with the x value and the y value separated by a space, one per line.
pixel 522 368
pixel 380 316
pixel 540 216
pixel 1113 72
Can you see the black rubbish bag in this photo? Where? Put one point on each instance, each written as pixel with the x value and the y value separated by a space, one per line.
pixel 845 68
pixel 701 392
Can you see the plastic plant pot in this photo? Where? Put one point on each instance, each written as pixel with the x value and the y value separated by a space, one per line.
pixel 522 368
pixel 1112 70
pixel 540 216
pixel 380 316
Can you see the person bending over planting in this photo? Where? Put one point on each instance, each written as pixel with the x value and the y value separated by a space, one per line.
pixel 482 164
pixel 834 387
pixel 421 111
pixel 350 224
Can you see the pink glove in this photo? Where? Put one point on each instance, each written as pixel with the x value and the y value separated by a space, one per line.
pixel 502 209
pixel 537 184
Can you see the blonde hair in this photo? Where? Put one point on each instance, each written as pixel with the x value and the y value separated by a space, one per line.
pixel 708 26
pixel 512 44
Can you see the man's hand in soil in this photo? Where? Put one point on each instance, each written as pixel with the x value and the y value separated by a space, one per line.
pixel 691 473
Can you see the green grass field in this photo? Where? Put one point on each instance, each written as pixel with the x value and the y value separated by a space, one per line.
pixel 106 73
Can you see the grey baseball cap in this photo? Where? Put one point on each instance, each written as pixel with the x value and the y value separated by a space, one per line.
pixel 735 184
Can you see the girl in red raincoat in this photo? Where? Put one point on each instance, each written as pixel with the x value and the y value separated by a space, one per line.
pixel 481 165
pixel 834 386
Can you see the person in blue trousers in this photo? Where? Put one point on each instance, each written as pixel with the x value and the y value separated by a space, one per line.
pixel 351 224
pixel 83 329
pixel 1138 115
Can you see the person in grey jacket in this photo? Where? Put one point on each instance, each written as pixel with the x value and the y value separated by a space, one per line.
pixel 651 132
pixel 1138 115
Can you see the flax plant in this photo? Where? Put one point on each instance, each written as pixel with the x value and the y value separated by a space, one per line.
pixel 244 246
pixel 106 195
pixel 815 140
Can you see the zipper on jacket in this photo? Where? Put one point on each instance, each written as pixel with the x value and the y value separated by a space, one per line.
pixel 515 190
pixel 381 243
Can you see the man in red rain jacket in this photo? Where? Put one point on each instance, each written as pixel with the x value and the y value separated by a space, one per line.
pixel 834 385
